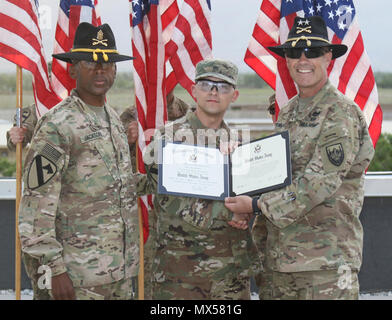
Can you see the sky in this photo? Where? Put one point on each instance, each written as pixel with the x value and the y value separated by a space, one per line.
pixel 232 23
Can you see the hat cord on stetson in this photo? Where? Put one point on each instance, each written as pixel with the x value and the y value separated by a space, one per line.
pixel 307 39
pixel 95 51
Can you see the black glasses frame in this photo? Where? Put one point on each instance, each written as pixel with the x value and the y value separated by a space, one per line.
pixel 218 85
pixel 310 53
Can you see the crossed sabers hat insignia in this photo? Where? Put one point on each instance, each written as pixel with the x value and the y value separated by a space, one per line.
pixel 100 39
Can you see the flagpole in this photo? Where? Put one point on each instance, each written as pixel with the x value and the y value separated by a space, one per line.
pixel 19 88
pixel 141 241
pixel 141 251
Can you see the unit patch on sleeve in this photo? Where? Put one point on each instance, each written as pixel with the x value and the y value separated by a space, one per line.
pixel 335 154
pixel 40 172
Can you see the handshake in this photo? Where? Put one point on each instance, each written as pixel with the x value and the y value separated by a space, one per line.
pixel 242 209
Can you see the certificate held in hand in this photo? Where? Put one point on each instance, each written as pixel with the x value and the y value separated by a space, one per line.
pixel 253 168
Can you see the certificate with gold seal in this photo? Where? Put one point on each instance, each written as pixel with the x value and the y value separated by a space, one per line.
pixel 204 172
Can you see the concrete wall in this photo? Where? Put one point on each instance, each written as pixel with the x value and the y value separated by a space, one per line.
pixel 7 247
pixel 376 271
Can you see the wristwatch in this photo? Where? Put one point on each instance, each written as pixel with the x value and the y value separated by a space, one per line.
pixel 255 207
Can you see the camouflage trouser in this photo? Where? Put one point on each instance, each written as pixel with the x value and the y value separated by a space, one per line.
pixel 31 267
pixel 192 288
pixel 264 283
pixel 119 290
pixel 310 285
pixel 150 249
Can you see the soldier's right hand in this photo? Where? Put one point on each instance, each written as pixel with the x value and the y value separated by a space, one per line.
pixel 17 134
pixel 62 287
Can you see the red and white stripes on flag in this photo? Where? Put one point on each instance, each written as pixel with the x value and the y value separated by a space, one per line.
pixel 149 77
pixel 191 42
pixel 163 35
pixel 21 43
pixel 71 14
pixel 351 74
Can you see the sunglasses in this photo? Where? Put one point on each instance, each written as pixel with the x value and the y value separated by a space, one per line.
pixel 92 65
pixel 310 53
pixel 208 85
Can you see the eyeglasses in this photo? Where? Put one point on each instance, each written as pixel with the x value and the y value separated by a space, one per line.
pixel 91 65
pixel 310 53
pixel 208 85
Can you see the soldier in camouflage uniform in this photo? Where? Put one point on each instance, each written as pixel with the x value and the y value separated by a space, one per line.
pixel 24 135
pixel 176 108
pixel 78 214
pixel 310 231
pixel 199 256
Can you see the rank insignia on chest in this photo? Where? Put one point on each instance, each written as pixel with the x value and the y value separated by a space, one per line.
pixel 40 172
pixel 335 154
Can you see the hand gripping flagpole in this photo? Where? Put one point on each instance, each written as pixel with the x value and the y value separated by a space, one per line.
pixel 19 88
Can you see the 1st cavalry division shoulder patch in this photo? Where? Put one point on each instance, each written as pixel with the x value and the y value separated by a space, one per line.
pixel 40 172
pixel 335 154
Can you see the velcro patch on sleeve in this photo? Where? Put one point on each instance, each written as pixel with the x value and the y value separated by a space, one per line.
pixel 333 156
pixel 50 153
pixel 333 149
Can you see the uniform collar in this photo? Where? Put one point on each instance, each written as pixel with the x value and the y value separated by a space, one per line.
pixel 196 123
pixel 95 124
pixel 302 112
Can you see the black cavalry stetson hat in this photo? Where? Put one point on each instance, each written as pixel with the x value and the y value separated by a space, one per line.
pixel 307 33
pixel 96 44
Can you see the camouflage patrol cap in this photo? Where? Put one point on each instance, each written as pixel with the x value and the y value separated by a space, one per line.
pixel 222 69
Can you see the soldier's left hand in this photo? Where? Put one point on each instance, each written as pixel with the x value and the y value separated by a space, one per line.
pixel 132 132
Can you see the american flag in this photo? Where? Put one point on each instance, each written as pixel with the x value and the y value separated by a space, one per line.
pixel 21 43
pixel 71 14
pixel 164 36
pixel 149 77
pixel 351 74
pixel 191 42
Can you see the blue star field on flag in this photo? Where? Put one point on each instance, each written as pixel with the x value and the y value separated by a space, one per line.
pixel 338 14
pixel 140 8
pixel 65 5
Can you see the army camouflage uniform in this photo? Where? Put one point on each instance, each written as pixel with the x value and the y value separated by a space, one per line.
pixel 176 109
pixel 78 213
pixel 29 121
pixel 199 256
pixel 314 234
